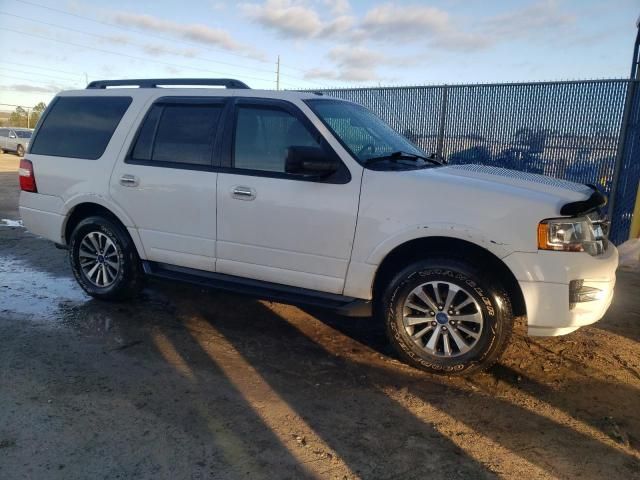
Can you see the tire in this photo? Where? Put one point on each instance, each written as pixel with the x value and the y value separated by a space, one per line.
pixel 477 332
pixel 102 243
pixel 20 151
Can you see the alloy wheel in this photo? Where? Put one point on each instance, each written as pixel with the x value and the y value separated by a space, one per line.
pixel 99 259
pixel 442 318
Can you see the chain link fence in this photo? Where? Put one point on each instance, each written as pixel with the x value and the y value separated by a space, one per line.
pixel 575 130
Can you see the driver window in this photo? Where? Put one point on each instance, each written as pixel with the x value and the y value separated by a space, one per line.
pixel 263 136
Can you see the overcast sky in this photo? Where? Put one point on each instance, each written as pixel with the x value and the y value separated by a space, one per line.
pixel 51 45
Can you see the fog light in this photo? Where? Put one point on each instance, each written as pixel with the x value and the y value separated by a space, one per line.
pixel 578 293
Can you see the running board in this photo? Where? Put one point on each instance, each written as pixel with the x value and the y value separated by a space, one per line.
pixel 348 306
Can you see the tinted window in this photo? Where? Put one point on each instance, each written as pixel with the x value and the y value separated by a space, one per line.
pixel 263 136
pixel 23 133
pixel 79 127
pixel 178 134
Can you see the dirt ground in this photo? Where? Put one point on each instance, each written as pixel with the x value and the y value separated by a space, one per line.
pixel 194 384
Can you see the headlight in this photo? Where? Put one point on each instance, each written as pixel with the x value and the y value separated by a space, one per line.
pixel 580 234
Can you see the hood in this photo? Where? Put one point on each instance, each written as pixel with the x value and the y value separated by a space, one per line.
pixel 570 191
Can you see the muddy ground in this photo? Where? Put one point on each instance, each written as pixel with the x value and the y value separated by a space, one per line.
pixel 189 383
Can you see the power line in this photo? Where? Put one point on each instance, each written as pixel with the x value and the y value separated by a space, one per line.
pixel 29 80
pixel 12 70
pixel 138 31
pixel 102 37
pixel 126 55
pixel 168 39
pixel 46 68
pixel 20 106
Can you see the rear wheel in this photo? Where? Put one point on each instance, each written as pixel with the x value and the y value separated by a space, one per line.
pixel 443 316
pixel 20 151
pixel 104 260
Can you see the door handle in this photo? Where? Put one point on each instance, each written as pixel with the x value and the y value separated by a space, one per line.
pixel 127 180
pixel 243 193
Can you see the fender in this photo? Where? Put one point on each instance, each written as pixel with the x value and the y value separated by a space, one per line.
pixel 118 212
pixel 462 232
pixel 360 275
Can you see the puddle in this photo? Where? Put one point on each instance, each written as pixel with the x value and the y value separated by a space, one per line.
pixel 58 302
pixel 33 293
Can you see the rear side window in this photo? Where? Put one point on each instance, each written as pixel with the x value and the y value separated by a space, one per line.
pixel 178 134
pixel 79 127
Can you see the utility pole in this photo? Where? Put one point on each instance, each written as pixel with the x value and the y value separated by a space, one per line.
pixel 28 117
pixel 278 74
pixel 86 78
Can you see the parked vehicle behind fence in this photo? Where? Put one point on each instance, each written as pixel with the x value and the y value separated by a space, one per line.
pixel 15 140
pixel 306 199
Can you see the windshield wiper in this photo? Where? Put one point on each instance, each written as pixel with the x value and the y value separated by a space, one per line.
pixel 400 155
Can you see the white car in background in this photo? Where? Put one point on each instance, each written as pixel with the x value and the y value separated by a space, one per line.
pixel 15 140
pixel 307 199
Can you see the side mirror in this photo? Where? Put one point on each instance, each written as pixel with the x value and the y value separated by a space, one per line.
pixel 310 161
pixel 12 135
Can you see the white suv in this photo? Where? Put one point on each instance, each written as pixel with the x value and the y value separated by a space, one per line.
pixel 312 200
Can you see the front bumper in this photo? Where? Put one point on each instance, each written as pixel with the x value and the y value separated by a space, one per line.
pixel 544 279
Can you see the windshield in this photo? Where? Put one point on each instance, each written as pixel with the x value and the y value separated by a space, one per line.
pixel 23 133
pixel 364 134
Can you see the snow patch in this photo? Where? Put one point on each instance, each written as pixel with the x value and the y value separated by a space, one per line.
pixel 629 253
pixel 6 222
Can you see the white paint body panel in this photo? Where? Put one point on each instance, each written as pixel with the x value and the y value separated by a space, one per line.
pixel 325 237
pixel 174 211
pixel 305 231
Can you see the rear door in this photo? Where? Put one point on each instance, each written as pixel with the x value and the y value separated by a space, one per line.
pixel 167 182
pixel 276 226
pixel 12 140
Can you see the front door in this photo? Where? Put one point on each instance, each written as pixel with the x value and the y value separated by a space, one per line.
pixel 276 226
pixel 167 182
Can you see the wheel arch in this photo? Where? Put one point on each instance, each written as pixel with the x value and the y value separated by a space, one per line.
pixel 86 209
pixel 423 247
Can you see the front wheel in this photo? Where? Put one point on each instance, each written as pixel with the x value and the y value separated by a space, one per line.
pixel 104 260
pixel 445 316
pixel 20 151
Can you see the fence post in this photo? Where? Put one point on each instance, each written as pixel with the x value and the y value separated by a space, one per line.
pixel 634 231
pixel 622 140
pixel 443 114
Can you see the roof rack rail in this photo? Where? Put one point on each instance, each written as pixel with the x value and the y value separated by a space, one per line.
pixel 155 82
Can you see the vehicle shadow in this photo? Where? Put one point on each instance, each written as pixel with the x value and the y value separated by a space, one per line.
pixel 555 448
pixel 366 429
pixel 609 407
pixel 190 381
pixel 224 385
pixel 147 401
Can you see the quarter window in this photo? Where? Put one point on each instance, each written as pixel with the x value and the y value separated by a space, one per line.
pixel 182 134
pixel 79 127
pixel 264 135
